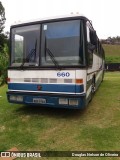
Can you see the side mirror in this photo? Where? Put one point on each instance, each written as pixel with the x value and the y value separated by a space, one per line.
pixel 93 37
pixel 91 47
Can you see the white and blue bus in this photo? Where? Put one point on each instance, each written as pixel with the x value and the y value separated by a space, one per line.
pixel 55 62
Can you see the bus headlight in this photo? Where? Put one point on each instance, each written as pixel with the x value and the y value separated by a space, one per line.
pixel 63 101
pixel 12 98
pixel 19 98
pixel 16 98
pixel 73 102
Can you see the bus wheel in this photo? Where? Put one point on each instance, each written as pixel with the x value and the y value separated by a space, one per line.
pixel 92 88
pixel 102 76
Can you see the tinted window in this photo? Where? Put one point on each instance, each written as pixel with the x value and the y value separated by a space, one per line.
pixel 62 39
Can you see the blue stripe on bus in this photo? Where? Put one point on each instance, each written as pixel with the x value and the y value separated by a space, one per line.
pixel 47 87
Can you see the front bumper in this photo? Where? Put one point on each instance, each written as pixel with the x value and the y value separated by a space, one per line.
pixel 51 100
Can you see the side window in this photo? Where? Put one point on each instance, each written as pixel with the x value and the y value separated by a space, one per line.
pixel 89 46
pixel 19 46
pixel 88 34
pixel 99 48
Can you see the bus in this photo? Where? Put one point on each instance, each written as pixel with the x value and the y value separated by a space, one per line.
pixel 55 62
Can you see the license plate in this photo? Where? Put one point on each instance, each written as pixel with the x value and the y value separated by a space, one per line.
pixel 39 100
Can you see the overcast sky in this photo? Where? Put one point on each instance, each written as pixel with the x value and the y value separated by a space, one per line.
pixel 105 14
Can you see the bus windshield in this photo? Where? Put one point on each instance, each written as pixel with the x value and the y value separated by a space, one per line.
pixel 25 45
pixel 47 44
pixel 62 40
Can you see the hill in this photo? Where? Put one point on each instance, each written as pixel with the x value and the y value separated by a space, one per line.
pixel 112 53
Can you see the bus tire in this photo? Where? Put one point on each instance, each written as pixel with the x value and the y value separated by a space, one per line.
pixel 103 75
pixel 92 88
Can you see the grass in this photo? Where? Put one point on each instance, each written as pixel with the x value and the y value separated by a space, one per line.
pixel 112 53
pixel 111 50
pixel 112 59
pixel 36 128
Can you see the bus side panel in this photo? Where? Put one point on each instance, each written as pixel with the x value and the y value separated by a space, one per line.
pixel 94 73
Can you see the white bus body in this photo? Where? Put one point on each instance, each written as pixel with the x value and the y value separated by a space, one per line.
pixel 57 62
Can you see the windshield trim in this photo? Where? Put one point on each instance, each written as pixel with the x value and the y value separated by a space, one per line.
pixel 39 65
pixel 46 67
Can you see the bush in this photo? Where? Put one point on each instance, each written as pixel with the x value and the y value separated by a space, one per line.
pixel 4 60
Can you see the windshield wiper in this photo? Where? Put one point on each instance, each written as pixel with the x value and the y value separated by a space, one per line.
pixel 32 53
pixel 52 57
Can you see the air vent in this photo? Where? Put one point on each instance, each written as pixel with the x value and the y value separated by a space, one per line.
pixel 67 80
pixel 35 80
pixel 52 80
pixel 27 79
pixel 44 80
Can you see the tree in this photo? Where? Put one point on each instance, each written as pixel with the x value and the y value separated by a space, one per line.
pixel 3 37
pixel 2 17
pixel 4 60
pixel 4 57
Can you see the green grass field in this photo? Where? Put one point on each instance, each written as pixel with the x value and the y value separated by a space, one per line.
pixel 111 50
pixel 97 128
pixel 112 53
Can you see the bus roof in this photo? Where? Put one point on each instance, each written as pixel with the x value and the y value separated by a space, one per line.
pixel 45 19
